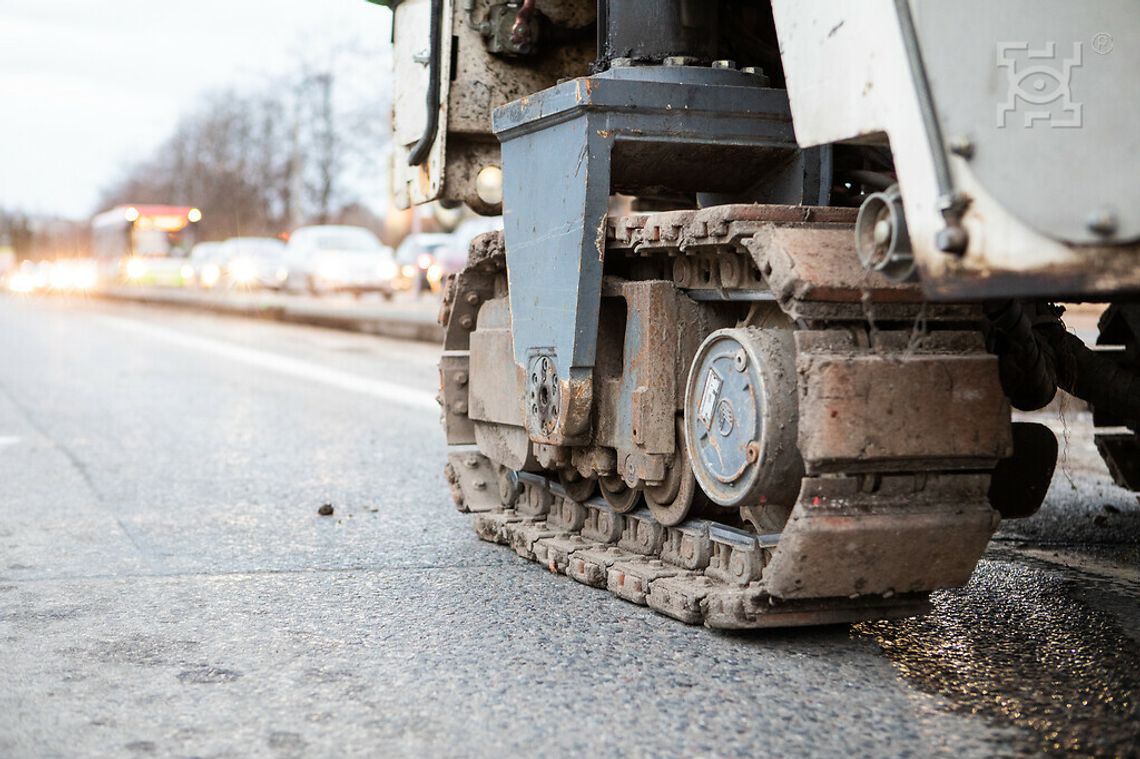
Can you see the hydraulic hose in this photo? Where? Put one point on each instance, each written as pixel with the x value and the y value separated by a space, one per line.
pixel 1037 355
pixel 1028 376
pixel 420 152
pixel 1108 387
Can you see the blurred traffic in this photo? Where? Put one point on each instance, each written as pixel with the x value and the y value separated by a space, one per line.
pixel 157 246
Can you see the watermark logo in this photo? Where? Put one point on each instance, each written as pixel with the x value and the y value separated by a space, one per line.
pixel 1040 84
pixel 1103 43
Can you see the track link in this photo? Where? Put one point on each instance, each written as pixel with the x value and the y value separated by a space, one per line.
pixel 697 572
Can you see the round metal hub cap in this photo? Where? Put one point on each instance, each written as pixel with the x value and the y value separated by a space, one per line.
pixel 740 417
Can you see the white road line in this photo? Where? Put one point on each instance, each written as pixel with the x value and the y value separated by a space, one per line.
pixel 387 391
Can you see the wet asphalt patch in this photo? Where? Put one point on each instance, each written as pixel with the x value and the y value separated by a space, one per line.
pixel 1022 646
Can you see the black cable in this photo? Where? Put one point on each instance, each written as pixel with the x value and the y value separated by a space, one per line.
pixel 1038 355
pixel 1109 388
pixel 1026 360
pixel 420 152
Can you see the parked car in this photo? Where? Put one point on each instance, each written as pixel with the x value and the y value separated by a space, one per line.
pixel 204 265
pixel 253 262
pixel 417 258
pixel 324 259
pixel 22 279
pixel 73 275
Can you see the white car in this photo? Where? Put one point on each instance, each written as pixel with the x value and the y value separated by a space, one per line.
pixel 327 259
pixel 204 265
pixel 418 260
pixel 253 262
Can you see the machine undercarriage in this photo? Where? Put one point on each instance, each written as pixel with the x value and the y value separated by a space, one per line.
pixel 825 494
pixel 778 391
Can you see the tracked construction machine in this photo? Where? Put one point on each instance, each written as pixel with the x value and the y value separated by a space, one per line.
pixel 772 276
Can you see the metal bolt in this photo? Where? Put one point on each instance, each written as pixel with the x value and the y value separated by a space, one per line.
pixel 479 485
pixel 1103 222
pixel 459 407
pixel 952 240
pixel 467 322
pixel 473 298
pixel 681 271
pixel 752 452
pixel 962 146
pixel 756 71
pixel 621 63
pixel 724 64
pixel 471 462
pixel 679 60
pixel 882 232
pixel 740 360
pixel 461 379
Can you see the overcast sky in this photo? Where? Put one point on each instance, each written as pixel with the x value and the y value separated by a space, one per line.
pixel 86 86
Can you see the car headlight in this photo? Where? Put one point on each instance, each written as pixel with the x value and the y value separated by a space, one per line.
pixel 386 270
pixel 136 269
pixel 21 283
pixel 408 271
pixel 435 273
pixel 86 278
pixel 61 276
pixel 243 271
pixel 211 273
pixel 282 274
pixel 187 272
pixel 330 271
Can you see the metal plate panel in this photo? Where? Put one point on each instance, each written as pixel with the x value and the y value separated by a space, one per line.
pixel 1045 92
pixel 413 185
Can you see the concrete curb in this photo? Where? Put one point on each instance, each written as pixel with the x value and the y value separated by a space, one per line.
pixel 400 328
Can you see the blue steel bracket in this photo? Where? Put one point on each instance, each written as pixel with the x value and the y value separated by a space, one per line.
pixel 565 150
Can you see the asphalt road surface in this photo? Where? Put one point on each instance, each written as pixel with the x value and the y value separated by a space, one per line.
pixel 168 588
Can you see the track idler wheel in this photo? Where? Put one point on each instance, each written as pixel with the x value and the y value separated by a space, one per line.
pixel 577 487
pixel 621 497
pixel 672 501
pixel 741 420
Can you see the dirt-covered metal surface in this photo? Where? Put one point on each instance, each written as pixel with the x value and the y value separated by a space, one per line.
pixel 900 419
